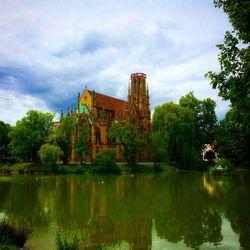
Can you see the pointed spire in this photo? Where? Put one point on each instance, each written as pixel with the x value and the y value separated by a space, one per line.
pixel 61 117
pixel 78 97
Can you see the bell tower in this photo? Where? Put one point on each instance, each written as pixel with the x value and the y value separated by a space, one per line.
pixel 138 96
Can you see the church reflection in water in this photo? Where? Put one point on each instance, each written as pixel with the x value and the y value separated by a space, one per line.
pixel 169 210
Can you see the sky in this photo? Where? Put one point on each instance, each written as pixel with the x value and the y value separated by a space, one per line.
pixel 50 50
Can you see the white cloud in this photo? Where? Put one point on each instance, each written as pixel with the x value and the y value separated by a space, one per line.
pixel 55 48
pixel 15 105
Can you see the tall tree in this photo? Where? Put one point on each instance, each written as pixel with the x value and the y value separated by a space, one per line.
pixel 84 138
pixel 63 135
pixel 29 134
pixel 159 152
pixel 4 139
pixel 176 124
pixel 126 136
pixel 231 137
pixel 233 79
pixel 205 118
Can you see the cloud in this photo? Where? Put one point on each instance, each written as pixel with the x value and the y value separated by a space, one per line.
pixel 15 105
pixel 50 50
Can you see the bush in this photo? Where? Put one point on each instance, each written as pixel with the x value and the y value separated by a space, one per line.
pixel 157 167
pixel 225 164
pixel 50 154
pixel 67 241
pixel 104 162
pixel 12 235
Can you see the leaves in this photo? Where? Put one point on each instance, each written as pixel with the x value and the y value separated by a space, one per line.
pixel 30 134
pixel 50 154
pixel 132 142
pixel 233 80
pixel 176 126
pixel 84 137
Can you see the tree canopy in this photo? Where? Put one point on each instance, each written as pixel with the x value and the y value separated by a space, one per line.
pixel 176 124
pixel 84 138
pixel 29 134
pixel 233 79
pixel 50 154
pixel 127 136
pixel 205 118
pixel 62 136
pixel 4 139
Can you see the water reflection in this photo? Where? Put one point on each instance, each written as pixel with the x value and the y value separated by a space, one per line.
pixel 176 210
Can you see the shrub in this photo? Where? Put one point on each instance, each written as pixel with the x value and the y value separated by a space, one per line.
pixel 50 154
pixel 67 241
pixel 225 164
pixel 13 235
pixel 104 162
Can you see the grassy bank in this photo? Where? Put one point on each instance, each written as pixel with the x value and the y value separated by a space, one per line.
pixel 38 168
pixel 12 236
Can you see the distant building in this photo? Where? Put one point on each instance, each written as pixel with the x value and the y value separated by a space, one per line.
pixel 100 110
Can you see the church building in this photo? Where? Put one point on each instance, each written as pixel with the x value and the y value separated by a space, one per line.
pixel 100 111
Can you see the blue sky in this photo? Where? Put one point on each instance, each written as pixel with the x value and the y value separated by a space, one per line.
pixel 49 50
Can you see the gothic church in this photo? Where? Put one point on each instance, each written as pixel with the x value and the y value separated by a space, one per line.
pixel 101 110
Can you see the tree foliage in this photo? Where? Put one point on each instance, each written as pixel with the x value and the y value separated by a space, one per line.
pixel 238 12
pixel 104 162
pixel 126 135
pixel 176 124
pixel 29 134
pixel 62 135
pixel 231 137
pixel 4 139
pixel 233 79
pixel 159 152
pixel 205 118
pixel 84 138
pixel 49 154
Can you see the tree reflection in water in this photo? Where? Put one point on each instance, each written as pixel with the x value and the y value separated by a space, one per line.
pixel 123 211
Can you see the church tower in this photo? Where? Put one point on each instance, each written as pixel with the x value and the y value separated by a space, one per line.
pixel 138 97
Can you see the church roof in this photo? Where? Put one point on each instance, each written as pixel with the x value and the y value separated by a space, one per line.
pixel 110 103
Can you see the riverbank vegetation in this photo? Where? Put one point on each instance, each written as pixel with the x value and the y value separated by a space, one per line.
pixel 179 130
pixel 38 168
pixel 67 241
pixel 12 236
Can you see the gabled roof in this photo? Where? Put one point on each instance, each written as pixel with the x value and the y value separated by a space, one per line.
pixel 110 103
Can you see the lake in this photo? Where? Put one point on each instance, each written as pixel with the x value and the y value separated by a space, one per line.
pixel 181 210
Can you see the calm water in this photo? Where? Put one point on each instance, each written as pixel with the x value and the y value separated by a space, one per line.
pixel 163 211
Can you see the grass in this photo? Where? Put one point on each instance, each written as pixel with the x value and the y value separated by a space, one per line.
pixel 147 167
pixel 39 168
pixel 12 236
pixel 67 241
pixel 30 168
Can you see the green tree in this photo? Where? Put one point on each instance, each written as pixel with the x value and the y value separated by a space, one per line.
pixel 233 79
pixel 231 136
pixel 205 118
pixel 83 139
pixel 49 154
pixel 29 134
pixel 4 140
pixel 104 162
pixel 176 124
pixel 159 152
pixel 126 136
pixel 63 135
